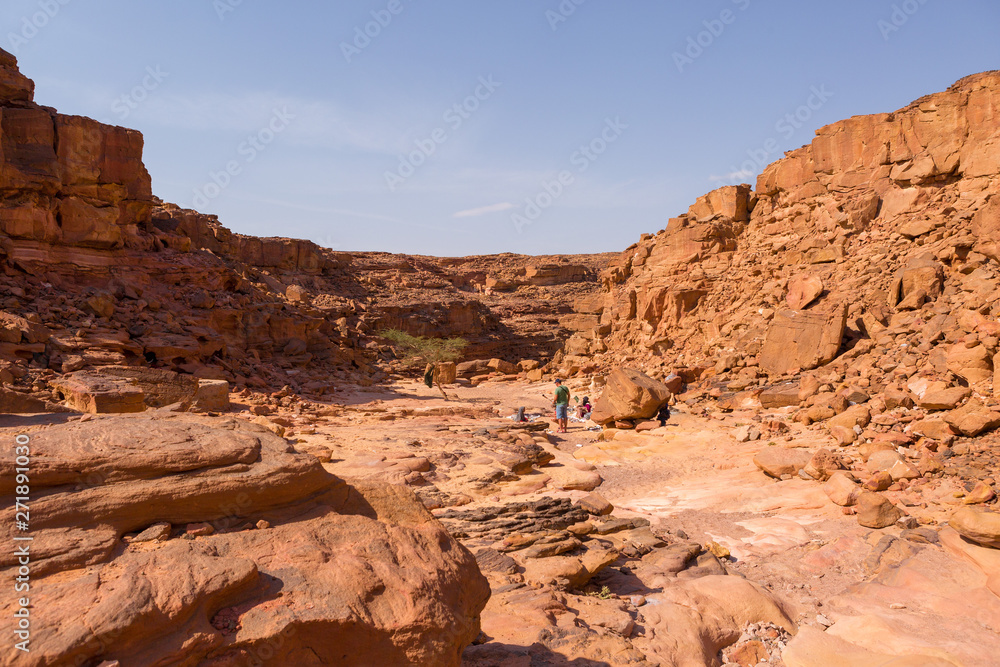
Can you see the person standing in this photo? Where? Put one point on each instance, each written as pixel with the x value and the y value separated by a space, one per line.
pixel 664 414
pixel 561 403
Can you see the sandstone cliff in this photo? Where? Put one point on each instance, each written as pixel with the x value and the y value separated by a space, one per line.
pixel 874 247
pixel 112 302
pixel 100 273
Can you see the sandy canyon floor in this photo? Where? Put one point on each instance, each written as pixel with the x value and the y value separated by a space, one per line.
pixel 663 547
pixel 783 575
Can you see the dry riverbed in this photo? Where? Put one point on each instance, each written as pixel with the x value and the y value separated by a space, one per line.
pixel 705 560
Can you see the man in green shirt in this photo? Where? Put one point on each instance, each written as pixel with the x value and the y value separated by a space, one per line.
pixel 561 403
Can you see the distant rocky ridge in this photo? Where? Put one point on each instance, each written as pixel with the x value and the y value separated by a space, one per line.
pixel 100 273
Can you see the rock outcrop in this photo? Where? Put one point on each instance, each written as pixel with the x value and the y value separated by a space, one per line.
pixel 258 554
pixel 66 180
pixel 880 235
pixel 99 273
pixel 980 527
pixel 629 395
pixel 801 341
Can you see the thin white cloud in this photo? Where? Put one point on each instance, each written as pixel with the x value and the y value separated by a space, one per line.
pixel 476 212
pixel 314 122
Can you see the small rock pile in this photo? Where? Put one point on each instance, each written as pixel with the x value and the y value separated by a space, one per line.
pixel 760 644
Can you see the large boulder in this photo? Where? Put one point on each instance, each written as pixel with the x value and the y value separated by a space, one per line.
pixel 704 615
pixel 778 461
pixel 842 490
pixel 629 394
pixel 803 289
pixel 979 526
pixel 921 275
pixel 468 369
pixel 15 403
pixel 160 387
pixel 554 274
pixel 986 228
pixel 972 419
pixel 943 399
pixel 578 322
pixel 124 389
pixel 823 465
pixel 975 364
pixel 290 565
pixel 798 340
pixel 16 329
pixel 731 201
pixel 501 366
pixel 875 511
pixel 781 396
pixel 935 429
pixel 89 392
pixel 100 479
pixel 445 372
pixel 212 396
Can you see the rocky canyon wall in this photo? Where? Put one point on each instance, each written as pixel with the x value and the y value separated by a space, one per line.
pixel 98 272
pixel 875 245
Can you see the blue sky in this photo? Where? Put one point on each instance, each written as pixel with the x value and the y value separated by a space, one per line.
pixel 460 126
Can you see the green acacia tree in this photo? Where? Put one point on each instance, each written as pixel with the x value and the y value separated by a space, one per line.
pixel 431 351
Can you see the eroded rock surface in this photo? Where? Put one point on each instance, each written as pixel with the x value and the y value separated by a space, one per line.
pixel 824 493
pixel 260 553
